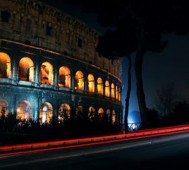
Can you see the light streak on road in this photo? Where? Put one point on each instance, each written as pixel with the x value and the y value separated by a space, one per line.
pixel 89 151
pixel 77 154
pixel 84 142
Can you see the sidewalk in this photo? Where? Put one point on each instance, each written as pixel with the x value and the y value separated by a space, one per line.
pixel 96 140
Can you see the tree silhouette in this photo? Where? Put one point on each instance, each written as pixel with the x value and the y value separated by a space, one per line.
pixel 165 99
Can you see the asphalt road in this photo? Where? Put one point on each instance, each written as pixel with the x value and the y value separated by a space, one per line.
pixel 171 152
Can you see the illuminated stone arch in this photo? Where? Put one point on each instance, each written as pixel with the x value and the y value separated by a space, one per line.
pixel 79 81
pixel 100 86
pixel 46 113
pixel 3 108
pixel 107 88
pixel 5 65
pixel 46 73
pixel 117 93
pixel 113 117
pixel 64 79
pixel 112 91
pixel 91 83
pixel 64 112
pixel 26 69
pixel 23 110
pixel 100 113
pixel 91 114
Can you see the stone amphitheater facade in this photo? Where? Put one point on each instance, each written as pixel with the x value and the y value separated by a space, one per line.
pixel 49 66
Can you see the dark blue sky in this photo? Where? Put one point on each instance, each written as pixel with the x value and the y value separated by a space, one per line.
pixel 171 66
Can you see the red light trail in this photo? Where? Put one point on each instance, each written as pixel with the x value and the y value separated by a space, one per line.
pixel 83 142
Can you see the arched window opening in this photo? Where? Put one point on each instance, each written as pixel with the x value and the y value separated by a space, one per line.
pixel 108 115
pixel 23 110
pixel 117 93
pixel 64 113
pixel 46 73
pixel 100 113
pixel 79 81
pixel 112 91
pixel 79 112
pixel 113 117
pixel 100 86
pixel 91 83
pixel 26 69
pixel 107 89
pixel 5 66
pixel 46 113
pixel 3 108
pixel 91 114
pixel 64 78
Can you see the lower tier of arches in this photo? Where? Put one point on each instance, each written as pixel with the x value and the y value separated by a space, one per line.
pixel 43 105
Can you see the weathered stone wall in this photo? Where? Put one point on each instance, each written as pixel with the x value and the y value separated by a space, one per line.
pixel 29 28
pixel 32 22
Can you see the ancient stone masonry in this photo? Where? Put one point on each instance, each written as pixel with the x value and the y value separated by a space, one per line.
pixel 51 57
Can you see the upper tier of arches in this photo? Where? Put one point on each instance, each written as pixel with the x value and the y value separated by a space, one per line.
pixel 62 77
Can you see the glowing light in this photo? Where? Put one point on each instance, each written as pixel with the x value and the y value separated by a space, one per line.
pixel 5 65
pixel 107 89
pixel 64 113
pixel 26 69
pixel 46 113
pixel 64 79
pixel 112 91
pixel 44 117
pixel 100 113
pixel 83 142
pixel 91 83
pixel 23 110
pixel 46 73
pixel 134 120
pixel 100 86
pixel 79 80
pixel 117 93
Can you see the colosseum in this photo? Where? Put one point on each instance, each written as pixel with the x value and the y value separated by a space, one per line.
pixel 49 67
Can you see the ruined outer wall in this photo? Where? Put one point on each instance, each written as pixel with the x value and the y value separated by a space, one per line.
pixel 37 24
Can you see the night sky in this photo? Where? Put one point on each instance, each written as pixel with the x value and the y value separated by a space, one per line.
pixel 162 69
pixel 159 69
